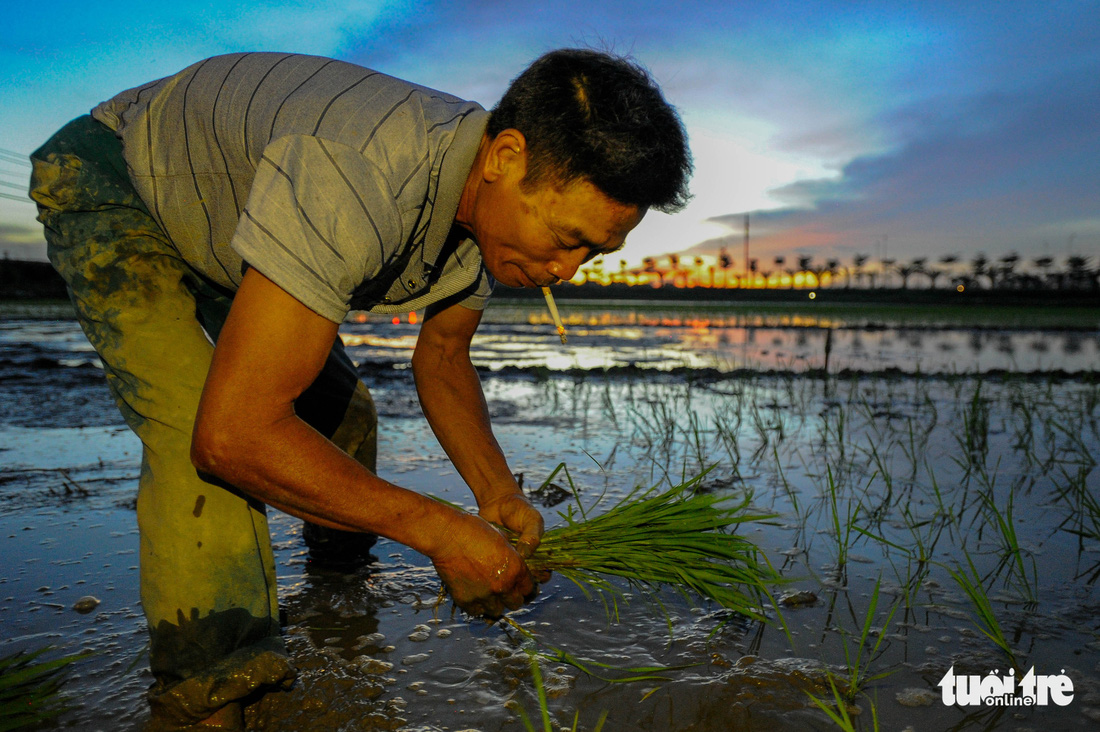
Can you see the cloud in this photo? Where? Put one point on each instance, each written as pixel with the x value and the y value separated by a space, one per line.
pixel 999 171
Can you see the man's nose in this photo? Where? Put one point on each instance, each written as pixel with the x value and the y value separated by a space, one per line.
pixel 566 264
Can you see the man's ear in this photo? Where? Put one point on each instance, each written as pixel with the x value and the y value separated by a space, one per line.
pixel 507 156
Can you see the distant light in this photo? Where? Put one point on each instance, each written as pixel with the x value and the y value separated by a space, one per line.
pixel 396 320
pixel 412 318
pixel 813 295
pixel 960 288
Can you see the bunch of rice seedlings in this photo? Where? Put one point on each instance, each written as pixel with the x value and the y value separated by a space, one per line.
pixel 29 688
pixel 679 538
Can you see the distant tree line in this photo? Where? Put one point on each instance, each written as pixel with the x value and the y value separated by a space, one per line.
pixel 1008 272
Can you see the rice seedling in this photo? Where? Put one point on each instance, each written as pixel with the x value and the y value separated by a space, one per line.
pixel 760 425
pixel 1075 448
pixel 678 538
pixel 697 441
pixel 837 711
pixel 970 582
pixel 544 708
pixel 1012 554
pixel 1083 519
pixel 656 425
pixel 788 489
pixel 926 534
pixel 30 688
pixel 595 669
pixel 1023 421
pixel 975 422
pixel 729 438
pixel 842 524
pixel 1086 513
pixel 607 403
pixel 832 435
pixel 858 664
pixel 913 447
pixel 881 466
pixel 879 506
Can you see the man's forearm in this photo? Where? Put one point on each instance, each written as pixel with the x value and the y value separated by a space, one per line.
pixel 278 462
pixel 454 404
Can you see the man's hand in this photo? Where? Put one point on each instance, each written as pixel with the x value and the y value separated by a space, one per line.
pixel 514 512
pixel 481 570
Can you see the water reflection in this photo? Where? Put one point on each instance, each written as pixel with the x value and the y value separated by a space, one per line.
pixel 525 338
pixel 652 340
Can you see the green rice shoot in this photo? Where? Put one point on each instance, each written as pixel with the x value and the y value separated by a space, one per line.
pixel 29 688
pixel 680 538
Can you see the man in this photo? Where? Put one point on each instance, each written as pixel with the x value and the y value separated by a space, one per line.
pixel 251 201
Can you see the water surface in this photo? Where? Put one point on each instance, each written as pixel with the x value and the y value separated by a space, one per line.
pixel 920 465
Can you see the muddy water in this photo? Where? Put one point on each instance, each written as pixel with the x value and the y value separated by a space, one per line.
pixel 915 462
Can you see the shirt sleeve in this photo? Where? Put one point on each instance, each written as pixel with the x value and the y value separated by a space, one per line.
pixel 320 219
pixel 482 291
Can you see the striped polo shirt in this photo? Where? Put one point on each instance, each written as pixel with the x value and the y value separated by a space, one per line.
pixel 338 183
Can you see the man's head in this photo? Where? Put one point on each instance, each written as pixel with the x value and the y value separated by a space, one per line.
pixel 579 148
pixel 591 116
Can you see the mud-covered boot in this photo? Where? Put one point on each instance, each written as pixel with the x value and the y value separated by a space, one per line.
pixel 230 717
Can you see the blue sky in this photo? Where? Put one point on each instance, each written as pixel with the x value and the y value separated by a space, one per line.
pixel 899 128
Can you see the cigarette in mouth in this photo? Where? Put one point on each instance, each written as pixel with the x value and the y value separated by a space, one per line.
pixel 554 313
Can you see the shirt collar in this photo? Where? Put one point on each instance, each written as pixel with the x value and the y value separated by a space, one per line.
pixel 453 172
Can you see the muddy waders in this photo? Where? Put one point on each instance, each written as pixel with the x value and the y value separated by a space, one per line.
pixel 207 571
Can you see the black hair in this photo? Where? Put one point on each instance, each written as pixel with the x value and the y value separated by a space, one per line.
pixel 588 115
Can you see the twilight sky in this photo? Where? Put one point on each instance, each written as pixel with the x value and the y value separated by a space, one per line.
pixel 902 129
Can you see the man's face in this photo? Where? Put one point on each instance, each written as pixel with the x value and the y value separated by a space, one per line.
pixel 538 237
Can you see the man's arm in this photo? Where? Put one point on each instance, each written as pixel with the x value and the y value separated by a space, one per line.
pixel 269 351
pixel 452 399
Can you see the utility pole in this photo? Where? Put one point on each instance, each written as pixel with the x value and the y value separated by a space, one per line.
pixel 746 244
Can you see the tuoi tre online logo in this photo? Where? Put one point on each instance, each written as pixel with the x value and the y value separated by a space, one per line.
pixel 1004 691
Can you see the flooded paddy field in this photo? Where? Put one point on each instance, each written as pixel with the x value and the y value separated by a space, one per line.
pixel 931 513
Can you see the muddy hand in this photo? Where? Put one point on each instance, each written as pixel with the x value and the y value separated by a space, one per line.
pixel 481 570
pixel 514 512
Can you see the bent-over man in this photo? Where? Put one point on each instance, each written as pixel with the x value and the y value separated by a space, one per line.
pixel 215 227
